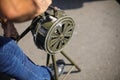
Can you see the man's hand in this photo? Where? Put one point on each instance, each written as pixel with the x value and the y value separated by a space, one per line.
pixel 42 6
pixel 19 11
pixel 16 10
pixel 22 10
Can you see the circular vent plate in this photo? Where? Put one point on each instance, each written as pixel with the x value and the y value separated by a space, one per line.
pixel 59 34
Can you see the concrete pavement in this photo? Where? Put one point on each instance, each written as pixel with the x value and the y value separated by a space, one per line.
pixel 95 45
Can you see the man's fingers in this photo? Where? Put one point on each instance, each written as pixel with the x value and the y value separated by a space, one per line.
pixel 42 5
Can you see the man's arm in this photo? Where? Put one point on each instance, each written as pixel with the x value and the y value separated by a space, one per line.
pixel 22 10
pixel 17 10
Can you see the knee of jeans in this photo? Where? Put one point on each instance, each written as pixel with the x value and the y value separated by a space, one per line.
pixel 10 47
pixel 7 45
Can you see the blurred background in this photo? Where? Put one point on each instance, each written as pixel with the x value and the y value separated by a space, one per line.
pixel 95 44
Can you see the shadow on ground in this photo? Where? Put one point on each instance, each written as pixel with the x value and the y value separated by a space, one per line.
pixel 71 4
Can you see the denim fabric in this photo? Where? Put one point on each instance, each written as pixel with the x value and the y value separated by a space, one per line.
pixel 15 63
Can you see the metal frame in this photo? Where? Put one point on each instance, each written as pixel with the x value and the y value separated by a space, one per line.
pixel 55 67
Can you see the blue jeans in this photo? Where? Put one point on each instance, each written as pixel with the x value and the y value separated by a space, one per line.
pixel 15 63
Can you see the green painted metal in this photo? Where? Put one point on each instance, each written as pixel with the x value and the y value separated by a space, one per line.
pixel 59 34
pixel 52 30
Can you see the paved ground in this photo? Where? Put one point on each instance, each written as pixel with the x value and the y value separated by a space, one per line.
pixel 95 45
